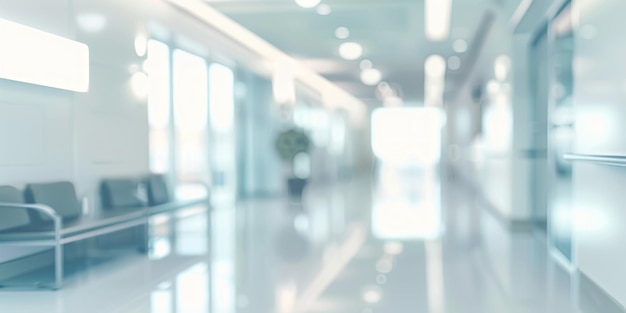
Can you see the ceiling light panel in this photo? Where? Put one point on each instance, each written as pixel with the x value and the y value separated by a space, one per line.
pixel 437 18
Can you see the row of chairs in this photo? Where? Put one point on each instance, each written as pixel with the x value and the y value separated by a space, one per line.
pixel 50 214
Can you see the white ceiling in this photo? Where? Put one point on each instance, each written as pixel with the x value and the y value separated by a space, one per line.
pixel 391 32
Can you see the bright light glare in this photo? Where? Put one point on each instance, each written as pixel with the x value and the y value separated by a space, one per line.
pixel 437 17
pixel 502 66
pixel 161 301
pixel 221 97
pixel 434 82
pixel 308 4
pixel 190 92
pixel 324 9
pixel 588 220
pixel 498 127
pixel 371 76
pixel 159 105
pixel 36 57
pixel 141 45
pixel 192 288
pixel 407 135
pixel 372 295
pixel 350 50
pixel 342 32
pixel 435 66
pixel 140 84
pixel 283 82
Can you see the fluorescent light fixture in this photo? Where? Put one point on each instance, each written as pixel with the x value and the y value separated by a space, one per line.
pixel 350 50
pixel 519 13
pixel 308 4
pixel 371 76
pixel 342 32
pixel 323 9
pixel 36 57
pixel 435 66
pixel 434 82
pixel 437 17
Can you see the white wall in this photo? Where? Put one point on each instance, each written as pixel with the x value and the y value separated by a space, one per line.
pixel 600 94
pixel 36 122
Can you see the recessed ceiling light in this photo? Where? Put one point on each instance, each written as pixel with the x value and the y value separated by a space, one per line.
pixel 454 63
pixel 435 66
pixel 459 46
pixel 308 4
pixel 350 50
pixel 323 9
pixel 141 45
pixel 366 64
pixel 371 76
pixel 342 32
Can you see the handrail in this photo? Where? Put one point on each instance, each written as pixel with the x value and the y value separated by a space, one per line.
pixel 47 210
pixel 58 225
pixel 611 160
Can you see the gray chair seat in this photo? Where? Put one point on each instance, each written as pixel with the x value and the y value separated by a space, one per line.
pixel 120 193
pixel 60 196
pixel 12 218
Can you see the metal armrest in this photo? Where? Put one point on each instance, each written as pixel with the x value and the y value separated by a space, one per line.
pixel 37 207
pixel 58 225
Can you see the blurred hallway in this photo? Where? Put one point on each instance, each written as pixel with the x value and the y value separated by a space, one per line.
pixel 361 246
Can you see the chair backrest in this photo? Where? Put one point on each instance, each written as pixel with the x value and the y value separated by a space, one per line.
pixel 61 196
pixel 156 189
pixel 11 218
pixel 120 193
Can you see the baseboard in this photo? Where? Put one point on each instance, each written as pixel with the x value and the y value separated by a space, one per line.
pixel 593 299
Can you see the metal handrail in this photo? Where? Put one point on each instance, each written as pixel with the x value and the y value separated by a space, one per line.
pixel 612 160
pixel 59 241
pixel 58 225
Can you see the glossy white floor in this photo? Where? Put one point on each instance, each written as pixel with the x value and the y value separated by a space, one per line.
pixel 406 244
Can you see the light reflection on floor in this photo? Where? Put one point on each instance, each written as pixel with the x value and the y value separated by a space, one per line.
pixel 391 246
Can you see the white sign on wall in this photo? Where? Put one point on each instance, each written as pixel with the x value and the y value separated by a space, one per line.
pixel 33 56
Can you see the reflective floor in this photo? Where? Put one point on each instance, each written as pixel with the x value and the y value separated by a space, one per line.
pixel 406 242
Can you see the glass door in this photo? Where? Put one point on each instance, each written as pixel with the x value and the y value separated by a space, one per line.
pixel 539 82
pixel 561 131
pixel 222 117
pixel 191 100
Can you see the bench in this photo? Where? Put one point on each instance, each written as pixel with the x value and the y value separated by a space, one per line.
pixel 49 214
